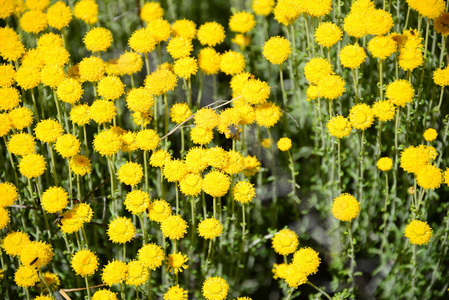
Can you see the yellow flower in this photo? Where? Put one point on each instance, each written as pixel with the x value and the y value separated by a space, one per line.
pixel 4 218
pixel 428 8
pixel 316 69
pixel 21 117
pixel 210 228
pixel 67 145
pixel 54 199
pixel 174 227
pixel 441 77
pixel 267 114
pixel 14 242
pixel 175 293
pixel 232 62
pixel 285 242
pixel 48 130
pixel 159 157
pixel 244 192
pixel 287 11
pixel 307 260
pixel 215 288
pixel 176 262
pixel 179 47
pixel 142 41
pixel 400 92
pixel 201 136
pixel 137 273
pixel 211 34
pixel 241 22
pixel 91 69
pixel 441 24
pixel 418 232
pixel 121 230
pixel 151 255
pixel 160 29
pixel 414 159
pixel 130 173
pixel 191 184
pixel 206 118
pixel 361 116
pixel 263 7
pixel 185 67
pixel 345 207
pixel 339 127
pixel 39 252
pixel 32 165
pixel 284 144
pixel 84 263
pixel 328 34
pixel 382 47
pixel 279 271
pixel 33 21
pixel 255 91
pixel 430 134
pixel 107 142
pixel 429 177
pixel 209 61
pixel 352 56
pixel 79 114
pixel 110 87
pixel 7 75
pixel 151 11
pixel 161 81
pixel 114 272
pixel 51 280
pixel 9 194
pixel 28 77
pixel 147 139
pixel 104 295
pixel 384 110
pixel 385 164
pixel 10 98
pixel 80 165
pixel 21 144
pixel 137 201
pixel 184 28
pixel 26 276
pixel 159 210
pixel 87 11
pixel 59 15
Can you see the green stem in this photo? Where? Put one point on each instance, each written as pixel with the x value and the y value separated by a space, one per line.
pixel 352 264
pixel 319 290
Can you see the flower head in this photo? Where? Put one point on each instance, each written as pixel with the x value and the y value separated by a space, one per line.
pixel 84 263
pixel 345 207
pixel 210 228
pixel 285 242
pixel 211 34
pixel 328 34
pixel 418 232
pixel 137 201
pixel 114 272
pixel 121 230
pixel 384 164
pixel 215 288
pixel 174 227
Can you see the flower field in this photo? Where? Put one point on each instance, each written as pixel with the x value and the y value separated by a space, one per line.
pixel 241 149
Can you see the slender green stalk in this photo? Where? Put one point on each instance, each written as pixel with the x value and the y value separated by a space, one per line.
pixel 352 257
pixel 319 290
pixel 87 287
pixel 53 164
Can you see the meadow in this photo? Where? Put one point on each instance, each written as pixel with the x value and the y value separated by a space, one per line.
pixel 241 149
